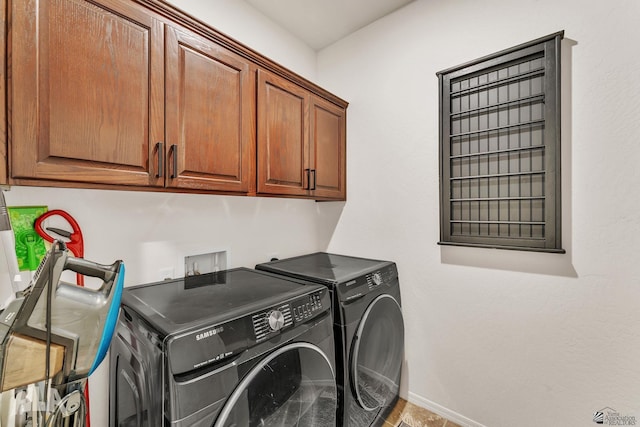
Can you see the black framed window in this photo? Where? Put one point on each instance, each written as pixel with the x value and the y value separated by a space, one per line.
pixel 500 149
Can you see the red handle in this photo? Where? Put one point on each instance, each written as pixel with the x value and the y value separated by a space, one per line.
pixel 76 243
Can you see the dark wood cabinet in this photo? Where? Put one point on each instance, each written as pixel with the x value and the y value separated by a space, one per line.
pixel 301 141
pixel 87 104
pixel 210 105
pixel 283 137
pixel 140 95
pixel 328 149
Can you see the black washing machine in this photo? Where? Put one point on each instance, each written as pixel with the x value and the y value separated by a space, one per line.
pixel 233 348
pixel 369 329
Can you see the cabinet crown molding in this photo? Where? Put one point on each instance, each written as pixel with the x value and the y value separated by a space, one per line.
pixel 177 15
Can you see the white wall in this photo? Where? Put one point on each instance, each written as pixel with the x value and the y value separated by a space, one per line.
pixel 494 337
pixel 153 231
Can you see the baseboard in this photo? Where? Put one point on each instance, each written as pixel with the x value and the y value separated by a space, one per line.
pixel 442 411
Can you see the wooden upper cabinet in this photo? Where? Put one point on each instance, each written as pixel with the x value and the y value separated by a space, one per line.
pixel 283 136
pixel 210 135
pixel 328 151
pixel 301 141
pixel 86 91
pixel 137 94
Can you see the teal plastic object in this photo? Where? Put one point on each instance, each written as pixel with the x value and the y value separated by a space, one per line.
pixel 110 321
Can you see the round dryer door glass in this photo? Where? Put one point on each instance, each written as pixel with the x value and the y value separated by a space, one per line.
pixel 378 351
pixel 293 386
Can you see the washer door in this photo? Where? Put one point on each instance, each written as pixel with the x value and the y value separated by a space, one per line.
pixel 377 354
pixel 293 386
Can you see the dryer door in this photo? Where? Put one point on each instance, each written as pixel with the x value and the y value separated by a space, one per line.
pixel 377 354
pixel 293 386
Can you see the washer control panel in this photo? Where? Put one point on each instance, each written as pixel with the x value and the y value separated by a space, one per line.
pixel 306 307
pixel 360 286
pixel 268 323
pixel 378 277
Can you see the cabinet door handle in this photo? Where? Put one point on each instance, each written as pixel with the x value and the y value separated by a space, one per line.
pixel 174 154
pixel 160 169
pixel 314 179
pixel 308 172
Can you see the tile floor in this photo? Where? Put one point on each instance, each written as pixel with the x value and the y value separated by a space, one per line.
pixel 407 414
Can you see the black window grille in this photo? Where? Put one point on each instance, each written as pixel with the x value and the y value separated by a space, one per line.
pixel 500 149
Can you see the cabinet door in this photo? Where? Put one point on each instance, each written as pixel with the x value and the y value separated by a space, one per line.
pixel 283 136
pixel 328 147
pixel 87 91
pixel 209 115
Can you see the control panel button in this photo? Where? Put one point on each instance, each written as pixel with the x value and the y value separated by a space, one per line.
pixel 307 307
pixel 377 278
pixel 276 320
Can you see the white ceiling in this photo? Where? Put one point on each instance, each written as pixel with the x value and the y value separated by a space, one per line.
pixel 320 23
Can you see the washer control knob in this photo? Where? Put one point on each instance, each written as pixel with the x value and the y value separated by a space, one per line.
pixel 377 278
pixel 276 320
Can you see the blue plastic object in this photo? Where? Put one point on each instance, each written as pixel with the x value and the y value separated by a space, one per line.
pixel 110 321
